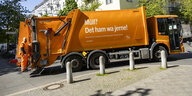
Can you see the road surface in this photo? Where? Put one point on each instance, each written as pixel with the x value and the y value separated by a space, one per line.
pixel 11 80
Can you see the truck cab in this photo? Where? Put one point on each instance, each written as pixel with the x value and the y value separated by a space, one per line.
pixel 166 31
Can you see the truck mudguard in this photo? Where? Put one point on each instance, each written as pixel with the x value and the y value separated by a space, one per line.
pixel 152 48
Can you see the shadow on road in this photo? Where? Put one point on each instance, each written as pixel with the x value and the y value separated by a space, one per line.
pixel 173 66
pixel 140 91
pixel 99 93
pixel 180 56
pixel 137 92
pixel 82 80
pixel 6 67
pixel 141 68
pixel 112 72
pixel 53 70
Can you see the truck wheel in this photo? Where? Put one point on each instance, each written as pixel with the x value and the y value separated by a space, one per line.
pixel 157 53
pixel 76 61
pixel 94 60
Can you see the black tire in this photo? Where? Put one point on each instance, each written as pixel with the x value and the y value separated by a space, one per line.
pixel 94 60
pixel 76 61
pixel 157 53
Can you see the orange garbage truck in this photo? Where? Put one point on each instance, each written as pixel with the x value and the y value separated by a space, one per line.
pixel 82 37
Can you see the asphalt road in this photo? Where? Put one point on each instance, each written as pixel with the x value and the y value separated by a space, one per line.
pixel 11 80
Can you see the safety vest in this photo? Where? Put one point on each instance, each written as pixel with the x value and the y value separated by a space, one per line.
pixel 22 45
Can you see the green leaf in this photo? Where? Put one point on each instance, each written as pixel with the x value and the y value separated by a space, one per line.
pixel 153 7
pixel 11 13
pixel 90 5
pixel 186 10
pixel 69 5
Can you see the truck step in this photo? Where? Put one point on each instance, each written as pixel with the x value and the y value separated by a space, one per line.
pixel 122 52
pixel 123 59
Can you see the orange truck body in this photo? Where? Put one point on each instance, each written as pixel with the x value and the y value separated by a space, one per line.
pixel 86 32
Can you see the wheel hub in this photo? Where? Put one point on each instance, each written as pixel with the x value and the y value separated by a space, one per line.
pixel 75 63
pixel 97 61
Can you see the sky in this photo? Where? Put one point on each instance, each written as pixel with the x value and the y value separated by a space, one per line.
pixel 30 4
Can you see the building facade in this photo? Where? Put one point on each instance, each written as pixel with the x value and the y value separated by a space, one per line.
pixel 173 6
pixel 52 7
pixel 49 7
pixel 118 4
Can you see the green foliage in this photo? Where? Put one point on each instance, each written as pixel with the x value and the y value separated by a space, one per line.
pixel 101 74
pixel 45 15
pixel 154 7
pixel 90 5
pixel 132 70
pixel 11 13
pixel 2 36
pixel 69 5
pixel 163 68
pixel 186 10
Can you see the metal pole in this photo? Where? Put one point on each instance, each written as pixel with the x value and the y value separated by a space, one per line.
pixel 131 61
pixel 102 64
pixel 163 59
pixel 69 73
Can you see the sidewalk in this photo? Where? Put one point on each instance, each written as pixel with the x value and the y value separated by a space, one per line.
pixel 172 82
pixel 147 80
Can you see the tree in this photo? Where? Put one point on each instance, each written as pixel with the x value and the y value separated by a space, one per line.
pixel 11 13
pixel 153 7
pixel 69 5
pixel 186 10
pixel 45 15
pixel 90 5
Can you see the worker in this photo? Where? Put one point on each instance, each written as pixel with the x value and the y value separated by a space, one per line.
pixel 24 57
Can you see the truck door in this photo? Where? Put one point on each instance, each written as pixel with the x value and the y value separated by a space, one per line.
pixel 170 28
pixel 174 33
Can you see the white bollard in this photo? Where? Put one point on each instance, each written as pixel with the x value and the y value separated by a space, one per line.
pixel 163 59
pixel 131 61
pixel 69 73
pixel 102 65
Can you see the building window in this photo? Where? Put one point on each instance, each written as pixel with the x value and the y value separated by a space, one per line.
pixel 129 0
pixel 108 1
pixel 58 6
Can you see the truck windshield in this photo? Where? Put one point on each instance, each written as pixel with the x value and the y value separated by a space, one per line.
pixel 167 25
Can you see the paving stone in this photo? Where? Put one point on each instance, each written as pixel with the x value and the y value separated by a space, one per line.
pixel 172 84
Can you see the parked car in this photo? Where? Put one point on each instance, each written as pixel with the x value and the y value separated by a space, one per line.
pixel 187 32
